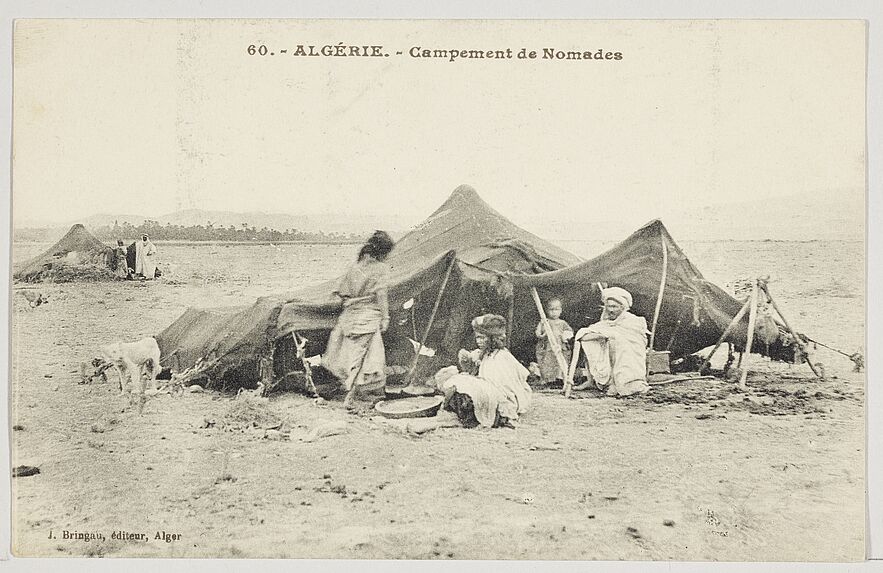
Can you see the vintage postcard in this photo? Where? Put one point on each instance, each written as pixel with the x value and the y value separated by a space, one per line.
pixel 517 290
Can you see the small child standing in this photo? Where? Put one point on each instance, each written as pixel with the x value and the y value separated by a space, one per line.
pixel 550 372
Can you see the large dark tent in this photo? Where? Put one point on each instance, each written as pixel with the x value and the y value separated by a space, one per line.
pixel 464 245
pixel 464 260
pixel 77 255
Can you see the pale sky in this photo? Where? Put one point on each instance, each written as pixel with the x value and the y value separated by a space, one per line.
pixel 151 116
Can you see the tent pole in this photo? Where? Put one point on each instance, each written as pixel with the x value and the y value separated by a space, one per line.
pixel 510 317
pixel 726 333
pixel 574 362
pixel 661 291
pixel 752 320
pixel 429 324
pixel 797 340
pixel 677 329
pixel 553 342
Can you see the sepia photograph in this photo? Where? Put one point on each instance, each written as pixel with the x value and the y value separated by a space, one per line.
pixel 557 290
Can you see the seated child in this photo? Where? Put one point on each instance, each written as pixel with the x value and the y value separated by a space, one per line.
pixel 550 372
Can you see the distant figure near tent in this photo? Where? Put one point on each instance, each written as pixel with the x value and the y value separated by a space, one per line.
pixel 145 266
pixel 355 352
pixel 616 347
pixel 120 264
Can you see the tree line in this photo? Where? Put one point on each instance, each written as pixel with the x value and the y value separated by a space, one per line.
pixel 209 232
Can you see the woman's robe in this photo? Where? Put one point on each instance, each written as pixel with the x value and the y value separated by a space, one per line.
pixel 121 267
pixel 355 352
pixel 619 362
pixel 144 259
pixel 501 386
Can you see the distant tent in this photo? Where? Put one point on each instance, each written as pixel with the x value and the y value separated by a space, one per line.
pixel 76 256
pixel 486 264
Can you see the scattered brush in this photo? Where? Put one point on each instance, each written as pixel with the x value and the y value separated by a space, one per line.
pixel 65 272
pixel 247 411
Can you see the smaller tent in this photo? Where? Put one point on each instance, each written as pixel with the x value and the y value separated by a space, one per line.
pixel 693 313
pixel 76 256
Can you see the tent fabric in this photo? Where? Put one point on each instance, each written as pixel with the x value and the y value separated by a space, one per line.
pixel 317 308
pixel 635 264
pixel 478 234
pixel 78 247
pixel 227 343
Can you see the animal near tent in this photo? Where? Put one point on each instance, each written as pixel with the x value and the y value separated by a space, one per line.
pixel 464 260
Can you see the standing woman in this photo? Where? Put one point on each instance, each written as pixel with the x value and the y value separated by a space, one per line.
pixel 355 352
pixel 121 265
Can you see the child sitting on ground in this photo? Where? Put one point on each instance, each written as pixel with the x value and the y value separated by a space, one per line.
pixel 550 372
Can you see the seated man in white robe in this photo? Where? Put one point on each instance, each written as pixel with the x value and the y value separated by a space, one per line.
pixel 615 347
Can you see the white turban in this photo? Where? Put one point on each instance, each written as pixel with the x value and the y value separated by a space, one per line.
pixel 618 294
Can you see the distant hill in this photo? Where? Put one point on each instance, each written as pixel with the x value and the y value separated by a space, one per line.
pixel 783 218
pixel 838 216
pixel 793 218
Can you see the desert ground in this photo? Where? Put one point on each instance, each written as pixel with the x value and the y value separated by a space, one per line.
pixel 691 471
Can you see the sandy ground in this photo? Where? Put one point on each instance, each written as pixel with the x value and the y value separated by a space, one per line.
pixel 691 471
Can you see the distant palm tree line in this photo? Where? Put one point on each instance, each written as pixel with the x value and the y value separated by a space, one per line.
pixel 209 232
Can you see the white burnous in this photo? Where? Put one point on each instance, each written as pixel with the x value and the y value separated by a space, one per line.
pixel 145 261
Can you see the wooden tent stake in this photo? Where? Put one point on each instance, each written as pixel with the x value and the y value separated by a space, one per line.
pixel 574 362
pixel 726 333
pixel 438 298
pixel 752 320
pixel 797 339
pixel 553 342
pixel 661 291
